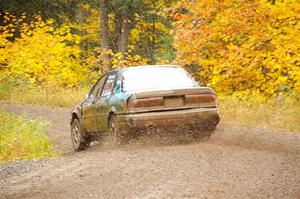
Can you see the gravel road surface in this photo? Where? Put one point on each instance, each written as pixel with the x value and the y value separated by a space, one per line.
pixel 237 162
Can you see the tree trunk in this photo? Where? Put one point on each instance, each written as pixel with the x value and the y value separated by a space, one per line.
pixel 80 18
pixel 123 37
pixel 118 30
pixel 104 30
pixel 152 42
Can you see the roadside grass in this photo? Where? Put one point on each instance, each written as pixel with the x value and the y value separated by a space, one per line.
pixel 29 94
pixel 283 116
pixel 277 115
pixel 23 138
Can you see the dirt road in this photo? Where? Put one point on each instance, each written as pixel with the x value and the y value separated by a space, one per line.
pixel 235 163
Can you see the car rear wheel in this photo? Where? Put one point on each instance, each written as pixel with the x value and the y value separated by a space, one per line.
pixel 115 136
pixel 78 140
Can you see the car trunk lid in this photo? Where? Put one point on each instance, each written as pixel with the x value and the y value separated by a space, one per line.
pixel 160 100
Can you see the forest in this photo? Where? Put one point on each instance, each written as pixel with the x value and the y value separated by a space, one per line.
pixel 52 51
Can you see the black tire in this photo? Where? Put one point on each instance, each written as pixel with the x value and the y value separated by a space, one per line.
pixel 115 137
pixel 78 140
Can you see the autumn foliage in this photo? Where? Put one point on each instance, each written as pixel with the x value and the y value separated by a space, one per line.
pixel 39 52
pixel 43 53
pixel 241 47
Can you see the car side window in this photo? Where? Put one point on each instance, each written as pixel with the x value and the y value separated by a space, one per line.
pixel 109 84
pixel 97 88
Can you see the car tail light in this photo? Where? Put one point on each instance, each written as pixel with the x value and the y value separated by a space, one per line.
pixel 145 103
pixel 155 101
pixel 200 99
pixel 138 103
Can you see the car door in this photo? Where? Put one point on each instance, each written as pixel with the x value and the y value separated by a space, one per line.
pixel 89 112
pixel 102 103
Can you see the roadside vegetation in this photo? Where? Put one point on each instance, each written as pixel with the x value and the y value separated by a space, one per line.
pixel 252 113
pixel 23 138
pixel 24 93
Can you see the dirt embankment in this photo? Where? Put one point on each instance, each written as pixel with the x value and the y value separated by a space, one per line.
pixel 235 163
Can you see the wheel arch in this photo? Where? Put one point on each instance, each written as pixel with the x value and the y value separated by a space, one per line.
pixel 78 116
pixel 111 113
pixel 75 115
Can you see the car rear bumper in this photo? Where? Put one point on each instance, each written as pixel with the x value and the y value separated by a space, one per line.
pixel 187 117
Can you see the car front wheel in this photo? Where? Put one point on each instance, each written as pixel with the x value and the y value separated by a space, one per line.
pixel 78 140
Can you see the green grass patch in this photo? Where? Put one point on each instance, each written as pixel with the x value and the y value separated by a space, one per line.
pixel 23 138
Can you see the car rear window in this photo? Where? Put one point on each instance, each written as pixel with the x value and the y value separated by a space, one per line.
pixel 156 78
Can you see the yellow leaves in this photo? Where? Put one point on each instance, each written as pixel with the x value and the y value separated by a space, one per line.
pixel 6 17
pixel 127 21
pixel 90 25
pixel 50 21
pixel 41 55
pixel 86 6
pixel 116 60
pixel 242 48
